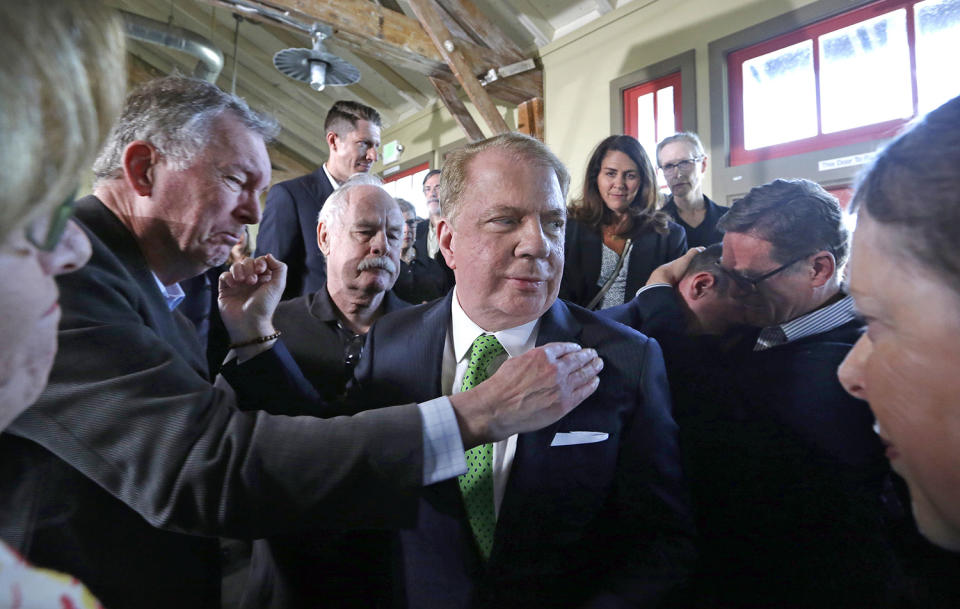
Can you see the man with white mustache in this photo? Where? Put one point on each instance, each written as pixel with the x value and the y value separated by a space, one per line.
pixel 360 232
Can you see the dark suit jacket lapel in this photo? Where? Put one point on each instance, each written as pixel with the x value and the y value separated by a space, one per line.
pixel 120 243
pixel 426 344
pixel 557 325
pixel 320 185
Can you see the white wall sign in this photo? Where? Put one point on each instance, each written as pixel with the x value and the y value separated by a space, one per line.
pixel 846 161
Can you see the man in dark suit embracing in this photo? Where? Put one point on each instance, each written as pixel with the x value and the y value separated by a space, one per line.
pixel 588 512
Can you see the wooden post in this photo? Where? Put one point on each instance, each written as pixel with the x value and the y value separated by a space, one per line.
pixel 530 118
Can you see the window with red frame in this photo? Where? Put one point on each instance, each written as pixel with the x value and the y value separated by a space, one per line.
pixel 852 78
pixel 651 111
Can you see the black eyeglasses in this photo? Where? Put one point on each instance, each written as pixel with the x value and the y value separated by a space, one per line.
pixel 352 351
pixel 750 285
pixel 45 233
pixel 684 165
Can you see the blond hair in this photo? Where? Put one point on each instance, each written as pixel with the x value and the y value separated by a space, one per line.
pixel 62 82
pixel 453 178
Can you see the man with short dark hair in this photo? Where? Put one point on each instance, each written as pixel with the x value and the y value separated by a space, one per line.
pixel 588 512
pixel 683 161
pixel 789 479
pixel 702 294
pixel 289 226
pixel 132 461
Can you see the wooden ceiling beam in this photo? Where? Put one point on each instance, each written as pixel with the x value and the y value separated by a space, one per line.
pixel 480 28
pixel 360 25
pixel 428 12
pixel 448 95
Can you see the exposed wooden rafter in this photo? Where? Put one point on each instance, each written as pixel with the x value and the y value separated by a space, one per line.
pixel 372 30
pixel 448 95
pixel 428 12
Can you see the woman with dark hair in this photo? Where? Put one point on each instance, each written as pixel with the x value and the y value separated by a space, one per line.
pixel 615 235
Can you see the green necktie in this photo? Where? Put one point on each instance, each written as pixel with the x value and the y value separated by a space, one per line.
pixel 477 484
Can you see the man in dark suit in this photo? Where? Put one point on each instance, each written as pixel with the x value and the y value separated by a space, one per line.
pixel 590 511
pixel 790 482
pixel 359 232
pixel 289 226
pixel 130 434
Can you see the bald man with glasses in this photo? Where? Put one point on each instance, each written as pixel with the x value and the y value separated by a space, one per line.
pixel 790 482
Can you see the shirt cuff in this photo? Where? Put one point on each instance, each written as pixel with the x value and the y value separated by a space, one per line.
pixel 443 454
pixel 652 285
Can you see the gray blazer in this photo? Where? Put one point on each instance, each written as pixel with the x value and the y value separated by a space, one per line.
pixel 130 435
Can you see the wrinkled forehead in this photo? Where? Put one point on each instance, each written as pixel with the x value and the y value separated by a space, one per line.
pixel 677 151
pixel 368 200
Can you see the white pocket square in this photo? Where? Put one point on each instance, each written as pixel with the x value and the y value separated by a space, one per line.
pixel 569 438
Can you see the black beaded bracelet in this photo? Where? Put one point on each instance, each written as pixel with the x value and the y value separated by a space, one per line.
pixel 257 341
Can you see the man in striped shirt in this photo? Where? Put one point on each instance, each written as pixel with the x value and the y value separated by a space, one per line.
pixel 790 482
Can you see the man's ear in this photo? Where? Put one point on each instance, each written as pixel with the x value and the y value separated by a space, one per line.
pixel 139 160
pixel 323 238
pixel 446 239
pixel 333 140
pixel 824 268
pixel 699 286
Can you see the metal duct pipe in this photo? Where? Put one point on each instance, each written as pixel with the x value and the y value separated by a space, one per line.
pixel 149 30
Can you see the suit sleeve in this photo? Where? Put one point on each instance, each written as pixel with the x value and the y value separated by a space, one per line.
pixel 572 273
pixel 676 242
pixel 652 497
pixel 280 235
pixel 271 381
pixel 126 409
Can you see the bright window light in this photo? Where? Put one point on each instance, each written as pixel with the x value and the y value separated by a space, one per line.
pixel 865 73
pixel 779 97
pixel 938 50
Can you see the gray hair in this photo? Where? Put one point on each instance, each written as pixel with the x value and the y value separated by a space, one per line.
pixel 332 209
pixel 62 81
pixel 175 114
pixel 688 137
pixel 406 207
pixel 523 148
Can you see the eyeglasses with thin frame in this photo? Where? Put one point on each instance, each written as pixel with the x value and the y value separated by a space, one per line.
pixel 752 285
pixel 684 165
pixel 45 233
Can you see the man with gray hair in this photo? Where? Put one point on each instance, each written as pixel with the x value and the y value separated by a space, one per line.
pixel 359 231
pixel 790 480
pixel 682 160
pixel 131 446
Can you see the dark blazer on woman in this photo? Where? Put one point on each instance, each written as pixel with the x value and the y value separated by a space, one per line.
pixel 583 248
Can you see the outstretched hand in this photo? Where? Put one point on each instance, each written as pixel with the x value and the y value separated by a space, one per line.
pixel 249 294
pixel 527 393
pixel 672 272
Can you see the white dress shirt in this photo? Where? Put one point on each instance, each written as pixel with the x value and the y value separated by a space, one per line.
pixel 456 355
pixel 333 182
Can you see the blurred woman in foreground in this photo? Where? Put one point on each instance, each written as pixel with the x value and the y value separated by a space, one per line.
pixel 62 81
pixel 905 278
